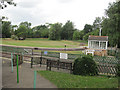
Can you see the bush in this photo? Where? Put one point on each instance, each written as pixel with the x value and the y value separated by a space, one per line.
pixel 14 37
pixel 85 66
pixel 118 70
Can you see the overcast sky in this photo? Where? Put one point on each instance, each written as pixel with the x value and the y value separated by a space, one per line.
pixel 38 12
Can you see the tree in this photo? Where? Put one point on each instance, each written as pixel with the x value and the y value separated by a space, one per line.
pixel 55 31
pixel 76 35
pixel 22 32
pixel 28 26
pixel 14 27
pixel 97 23
pixel 67 31
pixel 87 28
pixel 81 34
pixel 41 31
pixel 6 28
pixel 111 24
pixel 95 32
pixel 4 3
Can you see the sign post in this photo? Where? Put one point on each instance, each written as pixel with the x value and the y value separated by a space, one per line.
pixel 35 79
pixel 17 71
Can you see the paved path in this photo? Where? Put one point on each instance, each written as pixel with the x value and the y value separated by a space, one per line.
pixel 26 76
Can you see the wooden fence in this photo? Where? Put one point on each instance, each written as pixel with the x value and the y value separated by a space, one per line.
pixel 106 69
pixel 106 65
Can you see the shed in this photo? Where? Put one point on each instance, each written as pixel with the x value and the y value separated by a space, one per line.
pixel 97 45
pixel 97 42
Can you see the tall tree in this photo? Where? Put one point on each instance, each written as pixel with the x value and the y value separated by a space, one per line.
pixel 14 28
pixel 87 28
pixel 55 31
pixel 28 26
pixel 76 35
pixel 97 23
pixel 111 24
pixel 41 31
pixel 22 32
pixel 67 31
pixel 6 28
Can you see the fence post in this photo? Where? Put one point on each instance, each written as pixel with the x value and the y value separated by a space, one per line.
pixel 41 59
pixel 12 61
pixel 58 64
pixel 70 68
pixel 32 58
pixel 31 61
pixel 22 56
pixel 35 79
pixel 47 64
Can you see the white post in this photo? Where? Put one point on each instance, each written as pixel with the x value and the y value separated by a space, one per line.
pixel 88 44
pixel 106 44
pixel 100 32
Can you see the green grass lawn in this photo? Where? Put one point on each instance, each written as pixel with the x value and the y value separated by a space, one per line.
pixel 64 80
pixel 42 42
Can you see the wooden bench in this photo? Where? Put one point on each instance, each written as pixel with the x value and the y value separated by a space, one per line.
pixel 59 64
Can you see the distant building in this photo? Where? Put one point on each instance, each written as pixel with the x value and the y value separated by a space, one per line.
pixel 97 45
pixel 98 42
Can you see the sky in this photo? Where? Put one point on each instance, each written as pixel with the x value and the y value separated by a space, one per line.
pixel 39 12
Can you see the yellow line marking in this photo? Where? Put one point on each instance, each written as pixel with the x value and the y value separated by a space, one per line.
pixel 10 59
pixel 3 61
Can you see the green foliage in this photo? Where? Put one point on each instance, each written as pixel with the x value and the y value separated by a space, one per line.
pixel 14 37
pixel 97 23
pixel 67 31
pixel 95 32
pixel 81 34
pixel 118 70
pixel 40 31
pixel 76 35
pixel 87 28
pixel 85 66
pixel 6 29
pixel 22 31
pixel 55 31
pixel 111 25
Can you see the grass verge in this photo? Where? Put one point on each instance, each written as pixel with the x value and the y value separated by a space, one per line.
pixel 42 42
pixel 64 80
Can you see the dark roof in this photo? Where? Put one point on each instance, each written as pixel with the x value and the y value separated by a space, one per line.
pixel 99 38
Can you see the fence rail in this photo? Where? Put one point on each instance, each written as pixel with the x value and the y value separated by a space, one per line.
pixel 106 65
pixel 107 69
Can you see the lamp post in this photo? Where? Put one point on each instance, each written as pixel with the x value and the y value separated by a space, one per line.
pixel 100 30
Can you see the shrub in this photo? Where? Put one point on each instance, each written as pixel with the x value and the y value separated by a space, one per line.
pixel 14 37
pixel 118 70
pixel 85 66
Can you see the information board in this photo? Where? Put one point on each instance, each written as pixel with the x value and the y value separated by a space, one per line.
pixel 63 56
